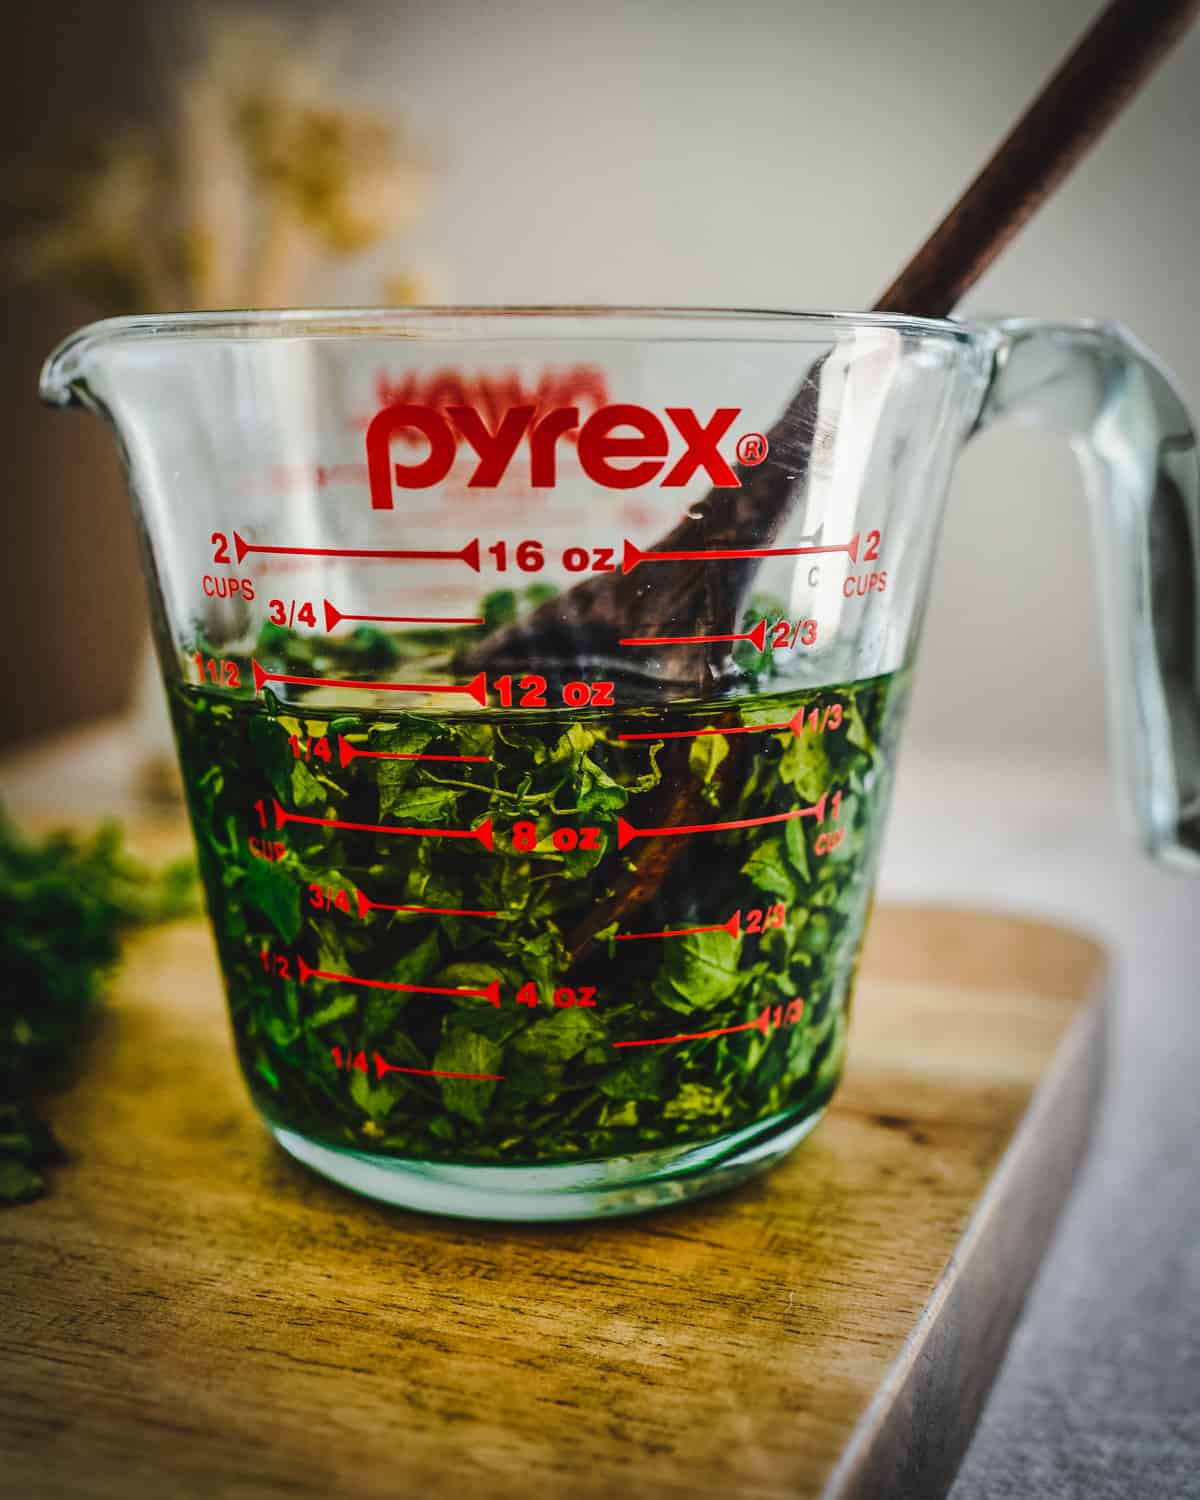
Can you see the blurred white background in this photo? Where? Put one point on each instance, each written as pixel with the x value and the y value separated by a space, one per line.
pixel 764 154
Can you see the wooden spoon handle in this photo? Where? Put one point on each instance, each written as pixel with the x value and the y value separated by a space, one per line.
pixel 1091 87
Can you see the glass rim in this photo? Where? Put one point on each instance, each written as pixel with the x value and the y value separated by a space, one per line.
pixel 480 322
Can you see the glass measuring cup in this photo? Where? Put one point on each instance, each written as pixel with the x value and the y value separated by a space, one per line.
pixel 538 825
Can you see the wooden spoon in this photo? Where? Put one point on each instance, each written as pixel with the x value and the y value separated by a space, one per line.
pixel 584 624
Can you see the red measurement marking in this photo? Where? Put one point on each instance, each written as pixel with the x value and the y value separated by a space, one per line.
pixel 760 1023
pixel 626 833
pixel 476 688
pixel 733 926
pixel 634 555
pixel 491 994
pixel 365 904
pixel 468 554
pixel 334 617
pixel 481 831
pixel 757 638
pixel 382 1067
pixel 348 752
pixel 795 724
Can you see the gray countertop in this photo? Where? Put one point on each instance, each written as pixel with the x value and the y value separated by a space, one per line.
pixel 1100 1392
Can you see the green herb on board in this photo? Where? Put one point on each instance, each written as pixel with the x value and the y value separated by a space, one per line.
pixel 65 904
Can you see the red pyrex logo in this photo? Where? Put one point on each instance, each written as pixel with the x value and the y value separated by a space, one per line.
pixel 619 431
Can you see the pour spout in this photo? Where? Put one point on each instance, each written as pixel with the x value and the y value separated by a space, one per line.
pixel 69 376
pixel 88 358
pixel 64 377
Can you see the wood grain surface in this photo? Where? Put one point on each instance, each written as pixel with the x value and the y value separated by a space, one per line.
pixel 190 1313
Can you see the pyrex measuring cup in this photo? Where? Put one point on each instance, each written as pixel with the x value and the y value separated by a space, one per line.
pixel 537 795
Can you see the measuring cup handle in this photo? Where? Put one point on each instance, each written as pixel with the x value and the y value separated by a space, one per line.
pixel 1137 448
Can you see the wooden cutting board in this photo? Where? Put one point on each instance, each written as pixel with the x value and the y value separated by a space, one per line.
pixel 191 1313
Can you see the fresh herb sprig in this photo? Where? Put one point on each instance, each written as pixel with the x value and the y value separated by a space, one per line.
pixel 65 904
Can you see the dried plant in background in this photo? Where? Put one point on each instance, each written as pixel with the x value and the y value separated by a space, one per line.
pixel 251 176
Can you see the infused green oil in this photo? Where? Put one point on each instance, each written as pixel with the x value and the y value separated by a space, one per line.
pixel 483 937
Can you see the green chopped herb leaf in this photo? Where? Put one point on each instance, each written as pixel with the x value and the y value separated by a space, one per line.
pixel 467 1052
pixel 768 868
pixel 276 895
pixel 702 969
